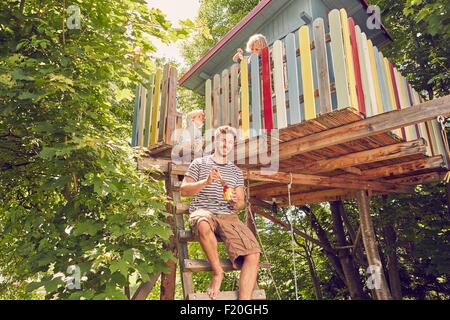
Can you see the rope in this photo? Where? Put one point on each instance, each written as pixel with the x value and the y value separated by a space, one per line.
pixel 292 238
pixel 259 238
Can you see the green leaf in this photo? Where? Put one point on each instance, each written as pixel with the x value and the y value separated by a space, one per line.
pixel 121 266
pixel 18 74
pixel 87 227
pixel 33 286
pixel 52 285
pixel 128 255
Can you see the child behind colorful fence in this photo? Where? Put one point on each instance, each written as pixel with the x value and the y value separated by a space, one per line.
pixel 255 44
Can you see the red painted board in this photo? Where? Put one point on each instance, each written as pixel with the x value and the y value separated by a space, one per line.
pixel 267 90
pixel 359 89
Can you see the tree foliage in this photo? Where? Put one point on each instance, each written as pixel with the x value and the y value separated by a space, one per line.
pixel 70 191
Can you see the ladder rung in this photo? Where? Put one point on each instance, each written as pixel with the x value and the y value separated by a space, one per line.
pixel 227 295
pixel 192 265
pixel 182 208
pixel 188 236
pixel 176 185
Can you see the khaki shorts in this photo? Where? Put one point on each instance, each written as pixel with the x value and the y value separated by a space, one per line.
pixel 239 240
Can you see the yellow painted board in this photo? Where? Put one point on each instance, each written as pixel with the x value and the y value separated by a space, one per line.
pixel 307 73
pixel 363 66
pixel 155 108
pixel 350 67
pixel 370 80
pixel 375 75
pixel 148 110
pixel 409 130
pixel 338 58
pixel 245 99
pixel 278 80
pixel 391 95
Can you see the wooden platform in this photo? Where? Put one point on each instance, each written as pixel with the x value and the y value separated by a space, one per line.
pixel 381 162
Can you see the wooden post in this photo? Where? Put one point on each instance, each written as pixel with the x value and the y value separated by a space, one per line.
pixel 167 287
pixel 373 257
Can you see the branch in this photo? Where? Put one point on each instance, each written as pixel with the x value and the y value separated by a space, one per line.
pixel 144 289
pixel 22 5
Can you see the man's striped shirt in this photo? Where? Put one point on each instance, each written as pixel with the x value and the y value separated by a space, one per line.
pixel 211 196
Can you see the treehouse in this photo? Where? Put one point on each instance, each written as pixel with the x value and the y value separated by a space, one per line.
pixel 337 120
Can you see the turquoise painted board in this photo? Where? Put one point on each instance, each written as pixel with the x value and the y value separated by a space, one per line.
pixel 381 78
pixel 225 97
pixel 256 95
pixel 405 86
pixel 208 110
pixel 135 117
pixel 294 94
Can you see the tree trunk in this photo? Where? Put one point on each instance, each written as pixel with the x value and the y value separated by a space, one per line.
pixel 447 188
pixel 357 252
pixel 351 274
pixel 377 279
pixel 167 288
pixel 312 271
pixel 321 234
pixel 392 263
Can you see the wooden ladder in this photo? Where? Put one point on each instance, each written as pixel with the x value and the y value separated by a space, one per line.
pixel 183 237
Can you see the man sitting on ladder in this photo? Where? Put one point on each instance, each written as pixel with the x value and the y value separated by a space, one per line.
pixel 210 214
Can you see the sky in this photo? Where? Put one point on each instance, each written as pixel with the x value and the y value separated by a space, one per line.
pixel 175 10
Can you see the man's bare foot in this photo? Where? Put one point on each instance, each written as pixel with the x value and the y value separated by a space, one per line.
pixel 214 286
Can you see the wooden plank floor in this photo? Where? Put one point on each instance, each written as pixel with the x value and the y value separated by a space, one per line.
pixel 269 190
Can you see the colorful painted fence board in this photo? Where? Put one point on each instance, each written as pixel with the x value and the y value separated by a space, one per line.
pixel 307 72
pixel 155 114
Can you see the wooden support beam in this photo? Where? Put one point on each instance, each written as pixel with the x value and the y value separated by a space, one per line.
pixel 420 178
pixel 353 170
pixel 317 196
pixel 145 288
pixel 360 129
pixel 333 182
pixel 150 163
pixel 363 157
pixel 404 168
pixel 287 227
pixel 396 169
pixel 371 247
pixel 300 195
pixel 168 280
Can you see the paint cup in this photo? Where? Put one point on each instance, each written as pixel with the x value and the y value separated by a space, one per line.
pixel 227 192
